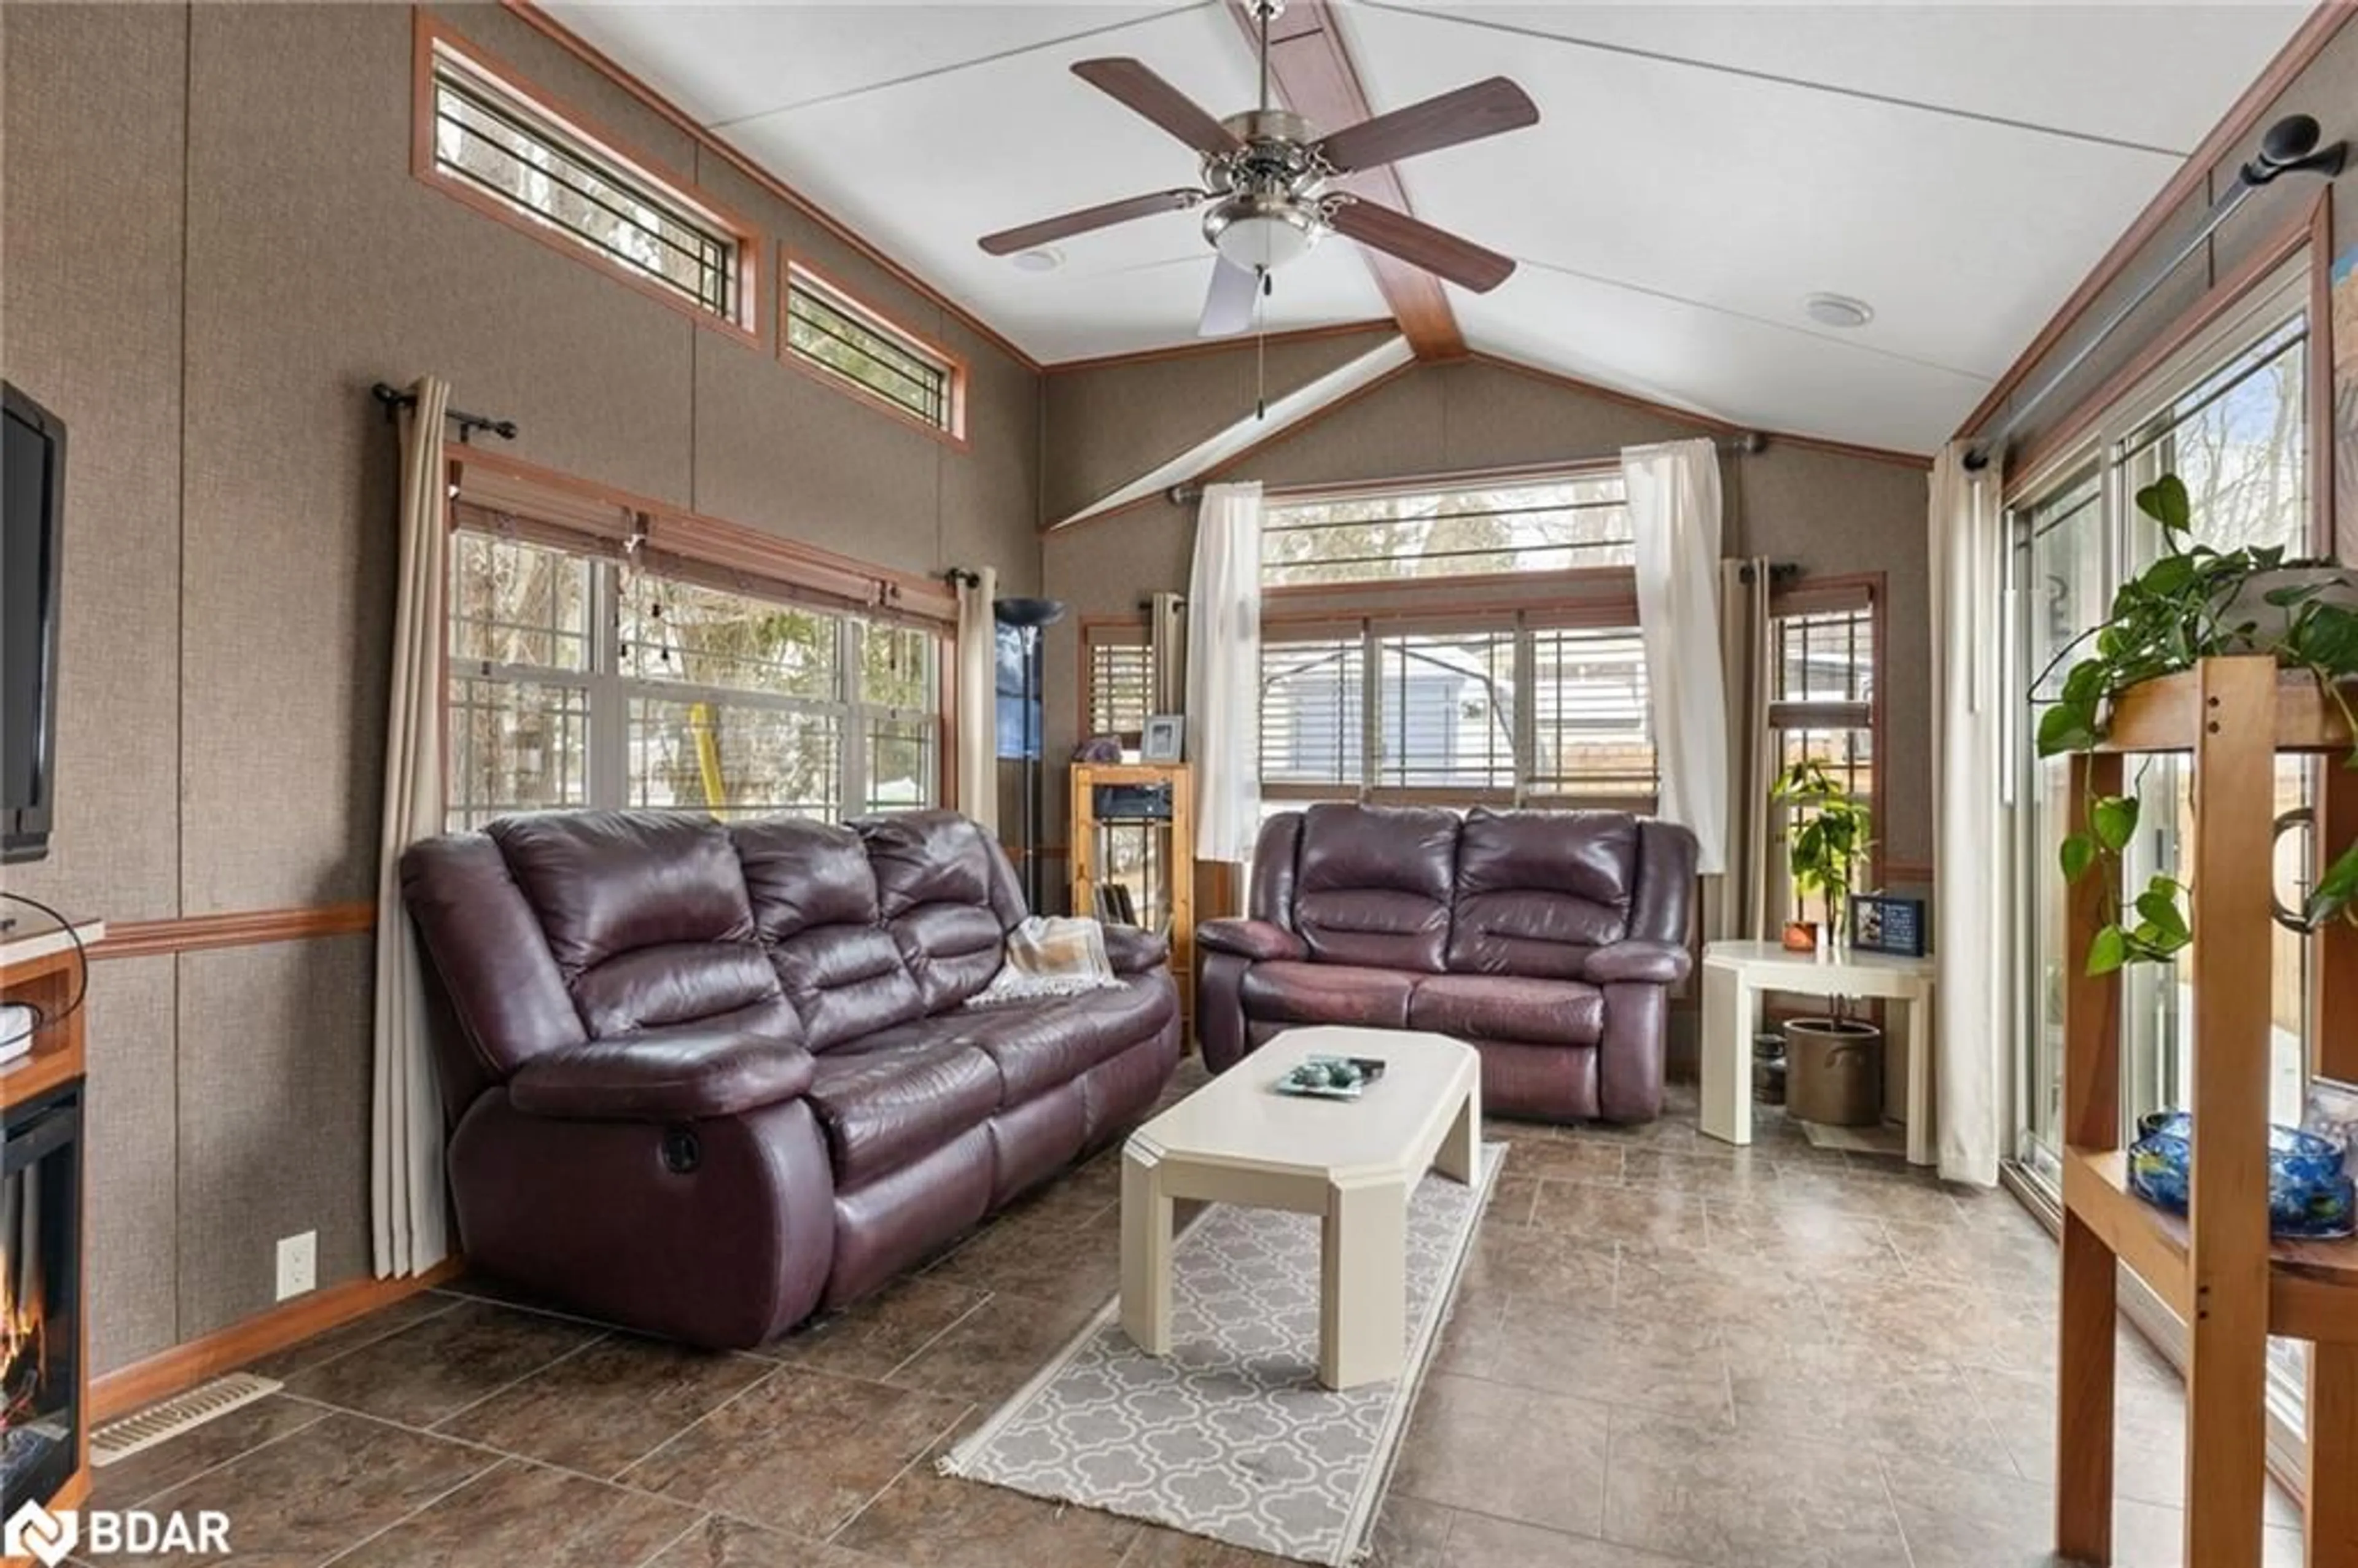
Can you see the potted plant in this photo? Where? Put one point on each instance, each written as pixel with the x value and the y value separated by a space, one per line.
pixel 1835 1071
pixel 2192 603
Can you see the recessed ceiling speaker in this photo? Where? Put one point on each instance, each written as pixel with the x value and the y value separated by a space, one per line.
pixel 1838 310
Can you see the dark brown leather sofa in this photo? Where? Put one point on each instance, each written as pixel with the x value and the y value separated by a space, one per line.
pixel 703 1080
pixel 1547 940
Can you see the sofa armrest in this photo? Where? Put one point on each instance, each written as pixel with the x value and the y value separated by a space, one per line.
pixel 679 1073
pixel 1659 963
pixel 1255 939
pixel 1133 951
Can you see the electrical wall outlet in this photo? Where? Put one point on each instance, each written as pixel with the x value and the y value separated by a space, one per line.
pixel 298 1264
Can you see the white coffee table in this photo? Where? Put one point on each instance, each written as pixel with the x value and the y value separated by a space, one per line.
pixel 1734 977
pixel 1351 1163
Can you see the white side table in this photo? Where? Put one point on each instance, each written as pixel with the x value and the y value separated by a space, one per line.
pixel 1734 976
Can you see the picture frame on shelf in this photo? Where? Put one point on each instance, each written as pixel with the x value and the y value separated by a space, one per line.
pixel 1882 923
pixel 1164 740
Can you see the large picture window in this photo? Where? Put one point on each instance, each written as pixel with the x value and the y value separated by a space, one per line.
pixel 1514 712
pixel 1377 686
pixel 587 681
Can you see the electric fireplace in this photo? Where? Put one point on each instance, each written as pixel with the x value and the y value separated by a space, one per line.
pixel 41 1383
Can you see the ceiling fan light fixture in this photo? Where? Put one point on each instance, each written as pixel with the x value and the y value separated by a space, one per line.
pixel 1838 310
pixel 1042 259
pixel 1262 234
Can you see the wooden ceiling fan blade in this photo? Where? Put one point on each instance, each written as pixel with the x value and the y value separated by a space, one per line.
pixel 1142 91
pixel 1468 114
pixel 1228 306
pixel 1419 244
pixel 1007 241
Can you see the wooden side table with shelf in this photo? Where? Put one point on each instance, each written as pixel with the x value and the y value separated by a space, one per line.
pixel 1153 803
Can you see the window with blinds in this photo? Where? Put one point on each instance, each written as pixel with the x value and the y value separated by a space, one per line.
pixel 1508 713
pixel 1821 708
pixel 492 143
pixel 1573 519
pixel 1117 677
pixel 581 680
pixel 1592 737
pixel 857 348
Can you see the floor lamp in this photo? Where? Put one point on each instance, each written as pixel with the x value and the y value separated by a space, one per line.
pixel 1027 616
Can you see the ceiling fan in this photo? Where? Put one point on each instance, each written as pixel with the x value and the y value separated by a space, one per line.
pixel 1267 173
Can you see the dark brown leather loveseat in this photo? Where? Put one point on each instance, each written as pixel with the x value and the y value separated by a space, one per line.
pixel 703 1080
pixel 1547 940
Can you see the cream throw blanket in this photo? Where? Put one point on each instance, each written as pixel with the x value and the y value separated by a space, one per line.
pixel 1049 955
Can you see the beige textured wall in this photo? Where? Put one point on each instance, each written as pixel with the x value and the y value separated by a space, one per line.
pixel 212 246
pixel 1832 514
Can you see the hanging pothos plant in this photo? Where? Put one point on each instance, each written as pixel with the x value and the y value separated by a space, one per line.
pixel 2195 602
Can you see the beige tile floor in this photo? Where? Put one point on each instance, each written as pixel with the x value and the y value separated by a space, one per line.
pixel 1666 1354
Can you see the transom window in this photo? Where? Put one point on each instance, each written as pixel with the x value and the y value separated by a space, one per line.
pixel 490 142
pixel 1567 520
pixel 585 681
pixel 835 334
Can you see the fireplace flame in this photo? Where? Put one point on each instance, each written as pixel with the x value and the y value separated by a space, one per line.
pixel 22 1331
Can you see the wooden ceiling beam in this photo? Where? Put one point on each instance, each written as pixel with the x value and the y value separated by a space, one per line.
pixel 1311 72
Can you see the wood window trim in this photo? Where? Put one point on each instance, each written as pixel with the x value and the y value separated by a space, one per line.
pixel 1134 631
pixel 792 265
pixel 846 582
pixel 427 33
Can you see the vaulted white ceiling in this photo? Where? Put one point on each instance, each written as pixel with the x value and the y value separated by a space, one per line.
pixel 1698 170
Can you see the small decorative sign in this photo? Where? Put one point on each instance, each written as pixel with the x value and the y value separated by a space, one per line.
pixel 1880 924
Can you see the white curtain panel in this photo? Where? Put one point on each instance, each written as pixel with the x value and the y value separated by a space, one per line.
pixel 978 701
pixel 1224 672
pixel 1970 917
pixel 1675 512
pixel 407 1208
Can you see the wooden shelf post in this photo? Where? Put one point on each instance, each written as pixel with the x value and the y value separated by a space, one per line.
pixel 2218 1268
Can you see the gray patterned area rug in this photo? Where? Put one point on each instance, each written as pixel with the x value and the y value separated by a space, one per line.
pixel 1231 1436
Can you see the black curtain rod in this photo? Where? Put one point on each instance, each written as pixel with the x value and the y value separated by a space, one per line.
pixel 394 399
pixel 2289 147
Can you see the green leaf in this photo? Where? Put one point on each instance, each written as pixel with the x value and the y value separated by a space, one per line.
pixel 2295 593
pixel 2114 820
pixel 2158 906
pixel 2326 638
pixel 2165 501
pixel 2167 576
pixel 2336 891
pixel 2067 726
pixel 2078 852
pixel 2108 951
pixel 2086 684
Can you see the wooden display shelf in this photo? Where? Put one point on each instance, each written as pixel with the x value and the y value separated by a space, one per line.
pixel 2164 715
pixel 2217 1267
pixel 2312 1286
pixel 1178 861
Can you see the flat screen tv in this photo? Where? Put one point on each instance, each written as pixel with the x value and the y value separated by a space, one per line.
pixel 32 514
